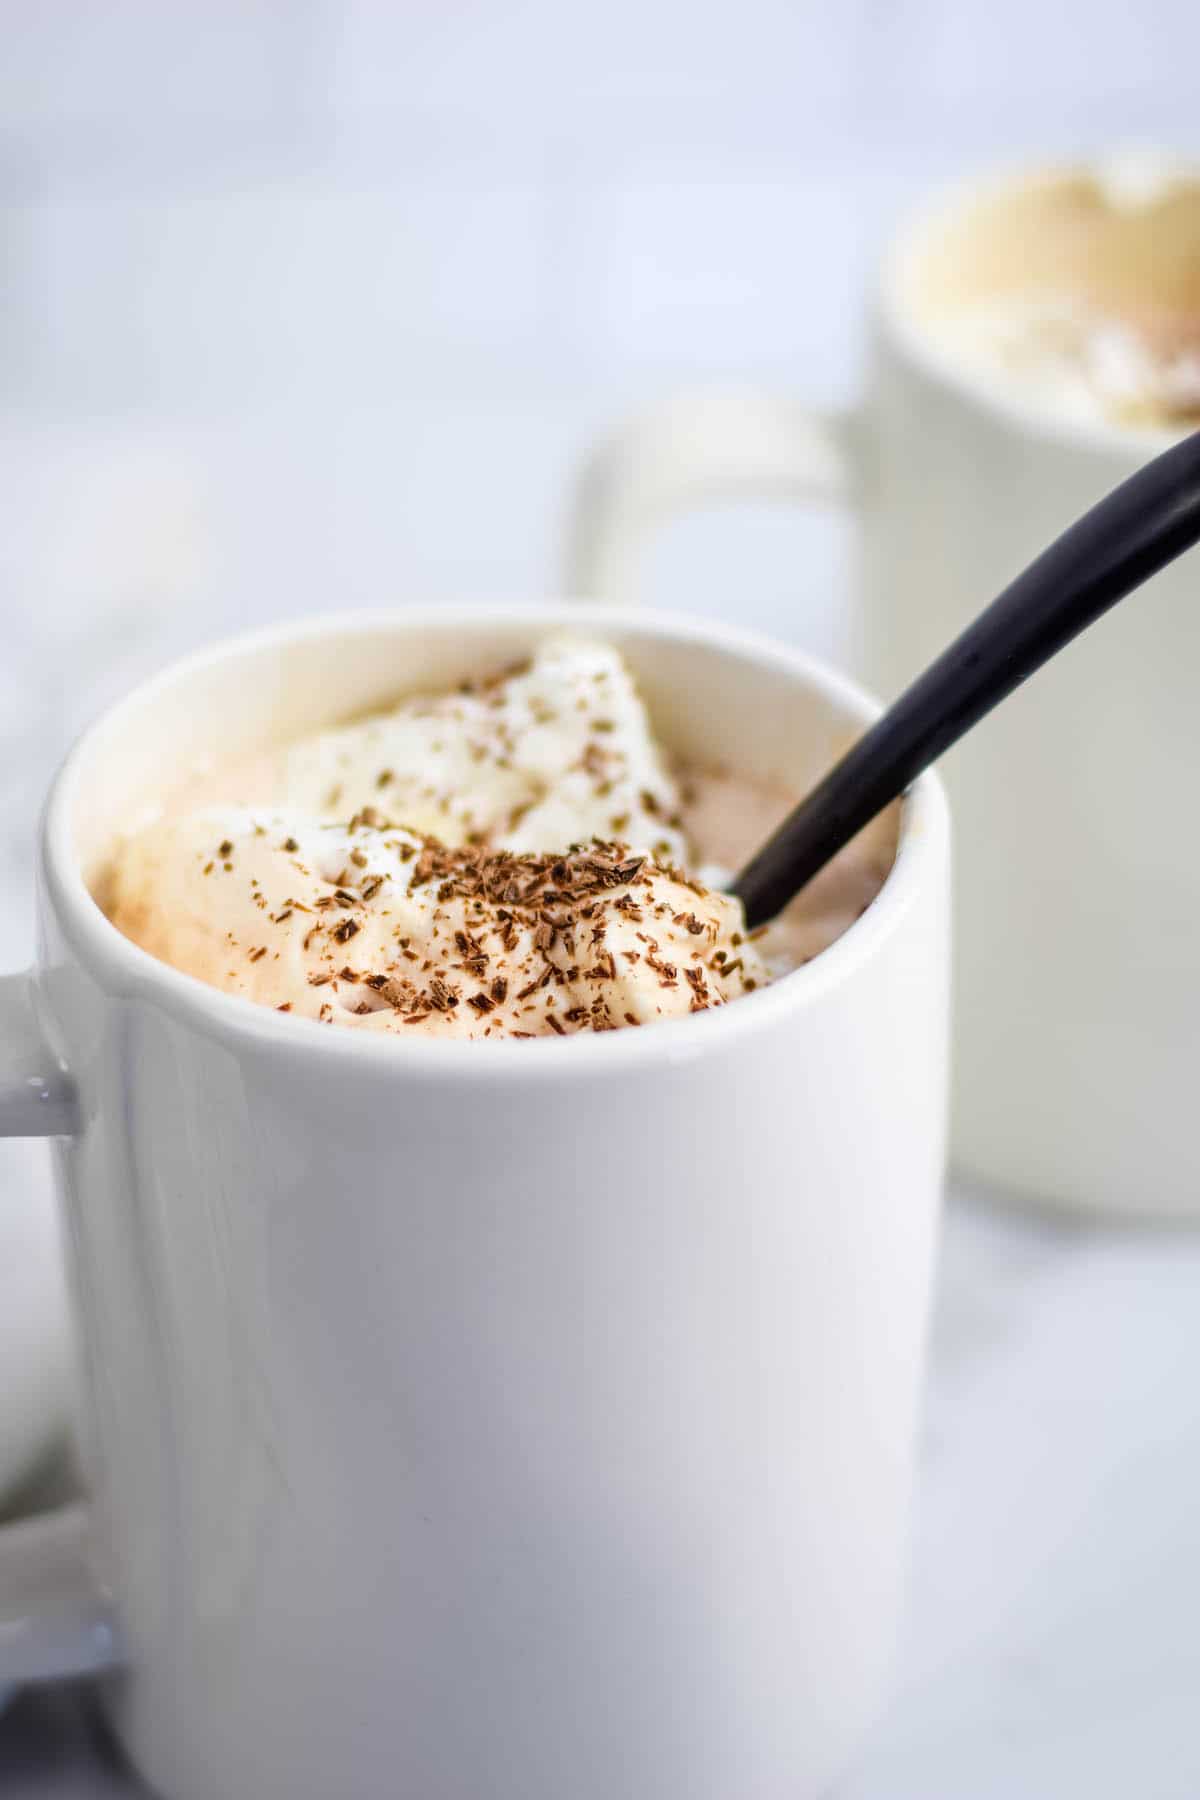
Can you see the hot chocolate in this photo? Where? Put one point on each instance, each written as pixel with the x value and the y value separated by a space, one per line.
pixel 513 859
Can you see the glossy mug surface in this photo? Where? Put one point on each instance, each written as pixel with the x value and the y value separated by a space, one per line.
pixel 1077 889
pixel 507 1418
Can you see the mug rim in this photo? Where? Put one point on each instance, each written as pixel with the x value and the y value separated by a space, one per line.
pixel 125 970
pixel 923 348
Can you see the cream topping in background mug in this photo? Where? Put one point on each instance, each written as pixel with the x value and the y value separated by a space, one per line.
pixel 1078 291
pixel 482 1418
pixel 1077 975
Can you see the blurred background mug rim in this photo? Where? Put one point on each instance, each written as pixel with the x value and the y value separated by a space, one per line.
pixel 894 313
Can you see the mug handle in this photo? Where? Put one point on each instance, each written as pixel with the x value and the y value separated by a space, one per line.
pixel 705 444
pixel 54 1621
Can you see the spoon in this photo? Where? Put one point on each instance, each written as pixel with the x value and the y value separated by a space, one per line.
pixel 1135 531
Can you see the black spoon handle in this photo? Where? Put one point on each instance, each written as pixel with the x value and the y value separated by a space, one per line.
pixel 1142 525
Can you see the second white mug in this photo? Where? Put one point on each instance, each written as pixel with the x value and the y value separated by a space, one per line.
pixel 1077 973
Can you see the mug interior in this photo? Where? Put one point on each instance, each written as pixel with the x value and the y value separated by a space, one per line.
pixel 718 699
pixel 1071 248
pixel 1073 231
pixel 713 704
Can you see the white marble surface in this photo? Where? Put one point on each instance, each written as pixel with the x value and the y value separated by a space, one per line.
pixel 1050 1650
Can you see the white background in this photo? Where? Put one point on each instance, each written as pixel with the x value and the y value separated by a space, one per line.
pixel 314 305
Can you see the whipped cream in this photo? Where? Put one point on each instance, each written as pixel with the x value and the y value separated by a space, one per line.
pixel 504 860
pixel 1080 362
pixel 1139 176
pixel 551 754
pixel 373 925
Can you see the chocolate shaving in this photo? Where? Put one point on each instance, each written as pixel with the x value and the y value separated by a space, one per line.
pixel 698 985
pixel 371 818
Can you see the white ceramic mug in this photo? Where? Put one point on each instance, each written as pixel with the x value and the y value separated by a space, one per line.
pixel 506 1419
pixel 1077 924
